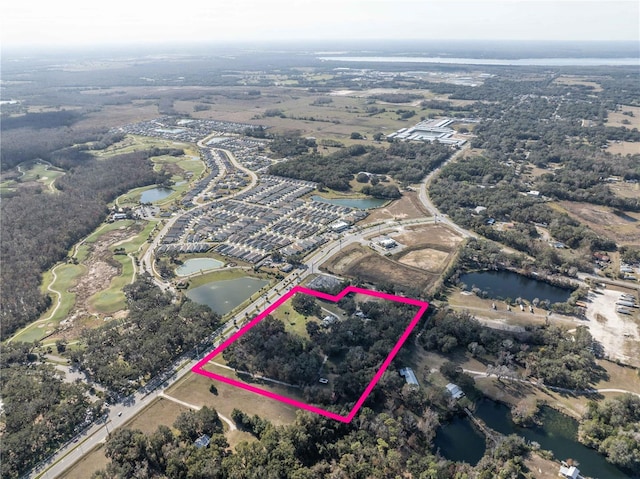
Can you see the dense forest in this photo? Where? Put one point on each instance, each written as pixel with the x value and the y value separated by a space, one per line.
pixel 355 348
pixel 39 228
pixel 612 427
pixel 41 412
pixel 394 442
pixel 157 331
pixel 405 162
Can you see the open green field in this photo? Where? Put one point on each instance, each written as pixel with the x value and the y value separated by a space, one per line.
pixel 222 275
pixel 66 276
pixel 44 174
pixel 294 322
pixel 194 389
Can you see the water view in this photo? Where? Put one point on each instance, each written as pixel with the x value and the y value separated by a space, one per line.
pixel 460 441
pixel 155 194
pixel 359 203
pixel 491 61
pixel 558 434
pixel 196 265
pixel 506 284
pixel 223 296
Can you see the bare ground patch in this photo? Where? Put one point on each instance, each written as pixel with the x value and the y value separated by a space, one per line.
pixel 101 269
pixel 621 229
pixel 624 148
pixel 407 207
pixel 429 236
pixel 428 259
pixel 373 268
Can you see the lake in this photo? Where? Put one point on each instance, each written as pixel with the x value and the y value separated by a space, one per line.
pixel 155 194
pixel 558 433
pixel 507 284
pixel 458 440
pixel 195 265
pixel 492 61
pixel 223 296
pixel 359 203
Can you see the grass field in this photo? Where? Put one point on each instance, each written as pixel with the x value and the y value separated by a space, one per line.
pixel 194 388
pixel 44 174
pixel 624 148
pixel 618 118
pixel 113 299
pixel 90 463
pixel 66 278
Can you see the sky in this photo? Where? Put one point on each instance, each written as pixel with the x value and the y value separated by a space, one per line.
pixel 135 22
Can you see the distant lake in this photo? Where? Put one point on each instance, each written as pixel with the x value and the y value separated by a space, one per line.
pixel 558 62
pixel 155 194
pixel 359 203
pixel 198 264
pixel 507 284
pixel 223 296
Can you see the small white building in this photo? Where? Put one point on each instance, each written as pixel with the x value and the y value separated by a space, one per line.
pixel 454 390
pixel 388 243
pixel 571 472
pixel 339 226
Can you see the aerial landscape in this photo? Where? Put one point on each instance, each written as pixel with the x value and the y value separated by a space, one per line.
pixel 357 239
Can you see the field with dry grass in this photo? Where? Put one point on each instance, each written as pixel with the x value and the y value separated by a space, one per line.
pixel 623 229
pixel 618 118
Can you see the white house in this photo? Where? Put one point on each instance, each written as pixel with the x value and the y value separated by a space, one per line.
pixel 454 390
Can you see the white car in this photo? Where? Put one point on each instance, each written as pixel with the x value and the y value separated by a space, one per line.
pixel 323 381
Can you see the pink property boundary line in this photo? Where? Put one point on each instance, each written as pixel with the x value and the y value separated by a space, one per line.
pixel 423 305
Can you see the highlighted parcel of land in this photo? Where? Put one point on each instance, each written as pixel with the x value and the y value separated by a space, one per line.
pixel 395 307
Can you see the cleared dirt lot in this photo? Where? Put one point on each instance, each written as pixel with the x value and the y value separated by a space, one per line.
pixel 621 229
pixel 618 333
pixel 368 266
pixel 624 148
pixel 434 236
pixel 407 207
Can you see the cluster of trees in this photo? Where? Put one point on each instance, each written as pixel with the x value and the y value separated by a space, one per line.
pixel 611 427
pixel 39 229
pixel 393 442
pixel 271 351
pixel 157 331
pixel 41 412
pixel 495 185
pixel 545 352
pixel 406 162
pixel 166 453
pixel 397 97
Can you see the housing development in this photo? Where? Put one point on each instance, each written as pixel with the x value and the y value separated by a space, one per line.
pixel 298 263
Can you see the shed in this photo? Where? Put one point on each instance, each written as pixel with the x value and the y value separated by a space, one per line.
pixel 409 376
pixel 571 472
pixel 455 390
pixel 202 441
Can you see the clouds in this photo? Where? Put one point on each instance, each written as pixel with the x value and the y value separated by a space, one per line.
pixel 71 22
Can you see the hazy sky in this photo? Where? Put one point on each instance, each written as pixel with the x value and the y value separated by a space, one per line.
pixel 87 22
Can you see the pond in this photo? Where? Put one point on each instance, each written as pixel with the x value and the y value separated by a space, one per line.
pixel 558 434
pixel 223 296
pixel 196 265
pixel 458 440
pixel 359 203
pixel 155 194
pixel 507 284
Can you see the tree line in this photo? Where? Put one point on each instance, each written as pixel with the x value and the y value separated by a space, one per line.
pixel 123 357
